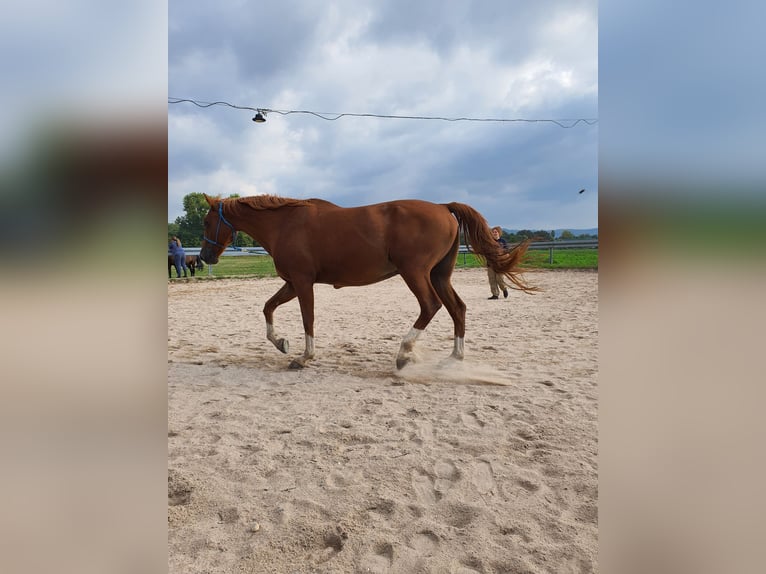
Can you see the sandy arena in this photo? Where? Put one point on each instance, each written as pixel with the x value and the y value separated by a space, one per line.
pixel 350 466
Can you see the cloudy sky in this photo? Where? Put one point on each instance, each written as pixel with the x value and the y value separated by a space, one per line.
pixel 483 59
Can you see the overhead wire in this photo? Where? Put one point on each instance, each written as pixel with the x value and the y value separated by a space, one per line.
pixel 564 123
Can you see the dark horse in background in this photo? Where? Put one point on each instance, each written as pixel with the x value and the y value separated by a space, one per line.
pixel 314 241
pixel 192 262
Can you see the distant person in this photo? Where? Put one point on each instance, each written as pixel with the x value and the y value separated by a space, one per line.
pixel 496 282
pixel 179 256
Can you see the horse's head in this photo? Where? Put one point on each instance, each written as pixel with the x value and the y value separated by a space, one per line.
pixel 218 232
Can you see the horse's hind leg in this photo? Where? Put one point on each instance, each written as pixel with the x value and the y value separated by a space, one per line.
pixel 285 294
pixel 454 305
pixel 305 292
pixel 421 287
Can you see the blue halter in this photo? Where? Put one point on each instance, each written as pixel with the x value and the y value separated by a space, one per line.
pixel 221 218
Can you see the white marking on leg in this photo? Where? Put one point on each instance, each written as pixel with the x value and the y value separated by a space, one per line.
pixel 458 351
pixel 408 343
pixel 309 352
pixel 412 335
pixel 281 344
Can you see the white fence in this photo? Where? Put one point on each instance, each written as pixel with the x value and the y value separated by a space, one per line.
pixel 563 244
pixel 229 251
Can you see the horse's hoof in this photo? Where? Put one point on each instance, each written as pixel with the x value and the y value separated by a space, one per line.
pixel 295 364
pixel 283 345
pixel 401 362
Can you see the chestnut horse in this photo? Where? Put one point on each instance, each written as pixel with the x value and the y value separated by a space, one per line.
pixel 314 241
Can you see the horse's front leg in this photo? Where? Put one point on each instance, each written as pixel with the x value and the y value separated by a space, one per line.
pixel 285 294
pixel 407 348
pixel 305 292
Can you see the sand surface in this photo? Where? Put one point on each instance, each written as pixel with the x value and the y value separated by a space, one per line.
pixel 485 466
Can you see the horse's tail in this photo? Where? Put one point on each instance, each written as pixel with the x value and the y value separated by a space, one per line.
pixel 479 236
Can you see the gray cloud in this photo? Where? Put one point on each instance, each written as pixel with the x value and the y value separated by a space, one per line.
pixel 480 59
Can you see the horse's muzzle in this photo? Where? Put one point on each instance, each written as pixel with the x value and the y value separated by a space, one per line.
pixel 208 256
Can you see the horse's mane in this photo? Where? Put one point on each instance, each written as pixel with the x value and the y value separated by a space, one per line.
pixel 263 202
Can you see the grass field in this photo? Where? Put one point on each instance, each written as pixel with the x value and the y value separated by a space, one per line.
pixel 562 259
pixel 245 265
pixel 263 266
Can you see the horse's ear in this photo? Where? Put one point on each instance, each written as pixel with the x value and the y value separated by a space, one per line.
pixel 210 200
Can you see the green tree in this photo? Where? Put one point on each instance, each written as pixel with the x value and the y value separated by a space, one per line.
pixel 190 227
pixel 566 234
pixel 539 235
pixel 244 240
pixel 172 229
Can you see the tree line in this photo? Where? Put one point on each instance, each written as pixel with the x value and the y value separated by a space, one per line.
pixel 541 235
pixel 189 227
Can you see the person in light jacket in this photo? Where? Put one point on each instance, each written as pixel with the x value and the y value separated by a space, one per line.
pixel 496 281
